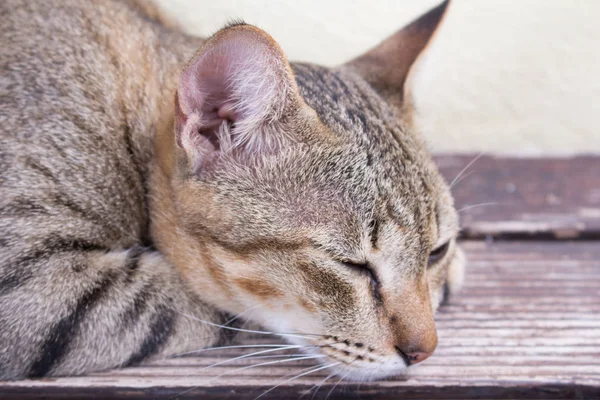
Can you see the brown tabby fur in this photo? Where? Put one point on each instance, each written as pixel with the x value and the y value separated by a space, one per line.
pixel 115 247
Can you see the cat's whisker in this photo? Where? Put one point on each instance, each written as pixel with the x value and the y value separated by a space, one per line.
pixel 362 380
pixel 459 180
pixel 317 386
pixel 286 375
pixel 269 363
pixel 230 320
pixel 298 376
pixel 280 356
pixel 477 205
pixel 275 347
pixel 196 387
pixel 249 356
pixel 307 336
pixel 340 380
pixel 462 171
pixel 247 346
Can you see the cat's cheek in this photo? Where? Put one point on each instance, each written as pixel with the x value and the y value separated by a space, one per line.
pixel 273 308
pixel 456 271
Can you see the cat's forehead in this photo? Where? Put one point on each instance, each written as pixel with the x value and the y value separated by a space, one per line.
pixel 339 98
pixel 376 173
pixel 390 156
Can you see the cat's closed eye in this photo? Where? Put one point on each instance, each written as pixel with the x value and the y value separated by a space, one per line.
pixel 363 268
pixel 438 254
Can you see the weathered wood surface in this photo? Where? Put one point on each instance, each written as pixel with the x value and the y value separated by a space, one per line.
pixel 535 197
pixel 527 325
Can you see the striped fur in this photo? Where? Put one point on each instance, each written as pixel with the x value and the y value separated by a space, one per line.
pixel 112 249
pixel 80 287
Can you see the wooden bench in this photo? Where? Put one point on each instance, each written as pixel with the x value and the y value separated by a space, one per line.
pixel 526 325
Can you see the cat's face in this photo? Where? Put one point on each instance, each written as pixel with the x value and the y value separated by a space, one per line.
pixel 333 226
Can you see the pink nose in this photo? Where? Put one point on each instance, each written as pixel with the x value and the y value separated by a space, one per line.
pixel 417 357
pixel 414 357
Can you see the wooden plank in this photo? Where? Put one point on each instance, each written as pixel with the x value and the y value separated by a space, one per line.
pixel 536 197
pixel 539 339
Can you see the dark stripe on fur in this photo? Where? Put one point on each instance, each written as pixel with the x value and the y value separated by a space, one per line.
pixel 133 259
pixel 41 169
pixel 140 170
pixel 23 207
pixel 138 307
pixel 374 226
pixel 62 244
pixel 160 330
pixel 58 340
pixel 61 199
pixel 28 207
pixel 13 281
pixel 16 273
pixel 19 270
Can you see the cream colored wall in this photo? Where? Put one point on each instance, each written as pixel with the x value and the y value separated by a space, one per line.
pixel 516 76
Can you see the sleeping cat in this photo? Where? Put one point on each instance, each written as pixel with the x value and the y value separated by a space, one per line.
pixel 153 183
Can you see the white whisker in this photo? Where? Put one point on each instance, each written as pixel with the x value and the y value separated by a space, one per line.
pixel 318 386
pixel 269 363
pixel 462 171
pixel 292 373
pixel 477 205
pixel 280 356
pixel 460 179
pixel 338 382
pixel 307 336
pixel 249 355
pixel 298 376
pixel 239 315
pixel 246 346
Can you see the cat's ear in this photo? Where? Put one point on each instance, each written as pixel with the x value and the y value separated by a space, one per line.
pixel 387 66
pixel 232 93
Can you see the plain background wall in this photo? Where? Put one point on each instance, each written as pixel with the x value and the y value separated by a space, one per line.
pixel 511 76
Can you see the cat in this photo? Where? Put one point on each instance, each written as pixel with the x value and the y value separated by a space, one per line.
pixel 153 184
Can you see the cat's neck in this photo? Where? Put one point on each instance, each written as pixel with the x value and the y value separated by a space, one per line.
pixel 150 70
pixel 191 258
pixel 150 58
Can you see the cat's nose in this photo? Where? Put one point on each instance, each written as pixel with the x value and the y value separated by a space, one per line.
pixel 414 357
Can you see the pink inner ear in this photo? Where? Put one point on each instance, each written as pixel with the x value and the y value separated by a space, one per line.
pixel 227 112
pixel 221 83
pixel 205 95
pixel 240 78
pixel 204 88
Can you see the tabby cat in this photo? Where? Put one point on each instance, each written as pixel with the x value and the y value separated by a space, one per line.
pixel 153 183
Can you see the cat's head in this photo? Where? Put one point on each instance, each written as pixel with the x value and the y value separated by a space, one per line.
pixel 303 199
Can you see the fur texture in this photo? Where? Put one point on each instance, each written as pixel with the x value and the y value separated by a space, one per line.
pixel 148 178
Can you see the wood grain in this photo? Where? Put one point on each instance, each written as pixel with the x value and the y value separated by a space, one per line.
pixel 543 198
pixel 526 325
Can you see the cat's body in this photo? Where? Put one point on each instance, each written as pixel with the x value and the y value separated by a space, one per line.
pixel 77 119
pixel 116 231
